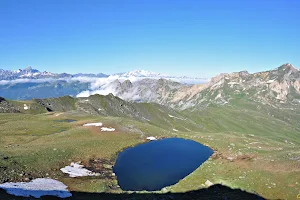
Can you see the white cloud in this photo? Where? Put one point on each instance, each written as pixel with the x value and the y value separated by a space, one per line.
pixel 102 85
pixel 16 81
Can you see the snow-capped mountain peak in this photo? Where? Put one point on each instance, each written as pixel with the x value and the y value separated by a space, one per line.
pixel 17 71
pixel 142 73
pixel 150 74
pixel 30 73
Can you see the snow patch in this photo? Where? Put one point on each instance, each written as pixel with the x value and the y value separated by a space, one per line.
pixel 107 129
pixel 270 81
pixel 208 183
pixel 93 124
pixel 146 119
pixel 76 170
pixel 26 107
pixel 176 117
pixel 230 158
pixel 218 96
pixel 151 138
pixel 37 188
pixel 233 83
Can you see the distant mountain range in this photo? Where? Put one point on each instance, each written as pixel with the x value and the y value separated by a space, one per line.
pixel 141 73
pixel 277 87
pixel 149 74
pixel 30 73
pixel 28 83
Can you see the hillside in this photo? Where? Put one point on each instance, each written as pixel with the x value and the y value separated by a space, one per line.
pixel 256 146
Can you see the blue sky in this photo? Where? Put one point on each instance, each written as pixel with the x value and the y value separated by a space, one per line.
pixel 194 38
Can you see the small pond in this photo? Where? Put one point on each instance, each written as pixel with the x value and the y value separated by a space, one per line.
pixel 157 164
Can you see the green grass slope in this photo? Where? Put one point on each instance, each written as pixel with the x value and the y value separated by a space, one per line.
pixel 256 146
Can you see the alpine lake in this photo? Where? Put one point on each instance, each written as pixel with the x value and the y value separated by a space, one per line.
pixel 156 164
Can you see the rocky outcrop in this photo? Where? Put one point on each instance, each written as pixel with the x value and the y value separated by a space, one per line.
pixel 6 107
pixel 147 90
pixel 61 104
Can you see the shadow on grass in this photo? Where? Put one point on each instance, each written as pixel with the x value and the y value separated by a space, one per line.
pixel 215 192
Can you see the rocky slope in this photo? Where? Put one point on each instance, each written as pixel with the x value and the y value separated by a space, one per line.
pixel 146 90
pixel 108 105
pixel 274 87
pixel 6 107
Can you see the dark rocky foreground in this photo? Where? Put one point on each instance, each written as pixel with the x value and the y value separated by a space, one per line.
pixel 215 192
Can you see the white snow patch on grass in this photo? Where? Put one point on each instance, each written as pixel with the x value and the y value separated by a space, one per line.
pixel 93 124
pixel 218 96
pixel 37 188
pixel 107 129
pixel 77 170
pixel 270 81
pixel 208 183
pixel 146 119
pixel 151 138
pixel 233 83
pixel 26 107
pixel 176 117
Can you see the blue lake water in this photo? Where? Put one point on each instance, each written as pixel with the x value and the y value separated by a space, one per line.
pixel 157 164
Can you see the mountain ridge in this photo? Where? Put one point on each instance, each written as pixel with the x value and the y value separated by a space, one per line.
pixel 278 86
pixel 30 73
pixel 274 87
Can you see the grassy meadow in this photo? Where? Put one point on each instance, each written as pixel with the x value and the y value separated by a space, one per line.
pixel 256 149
